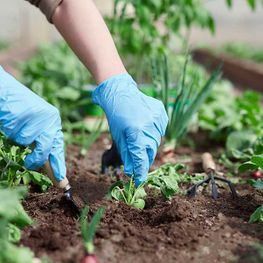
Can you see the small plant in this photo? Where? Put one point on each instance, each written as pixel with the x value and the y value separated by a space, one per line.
pixel 13 218
pixel 167 178
pixel 128 193
pixel 12 170
pixel 254 157
pixel 255 163
pixel 88 231
pixel 188 96
pixel 224 113
pixel 257 216
pixel 129 16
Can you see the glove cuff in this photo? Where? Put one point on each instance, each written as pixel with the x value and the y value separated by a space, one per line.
pixel 108 89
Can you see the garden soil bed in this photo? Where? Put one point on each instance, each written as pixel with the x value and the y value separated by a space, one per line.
pixel 245 74
pixel 182 230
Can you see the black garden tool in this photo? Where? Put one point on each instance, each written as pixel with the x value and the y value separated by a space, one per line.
pixel 111 159
pixel 75 203
pixel 209 167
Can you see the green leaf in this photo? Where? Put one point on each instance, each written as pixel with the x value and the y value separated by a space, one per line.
pixel 140 192
pixel 26 178
pixel 139 203
pixel 68 93
pixel 238 142
pixel 258 160
pixel 116 193
pixel 13 254
pixel 88 230
pixel 257 216
pixel 39 179
pixel 211 24
pixel 14 233
pixel 252 4
pixel 229 3
pixel 11 209
pixel 247 166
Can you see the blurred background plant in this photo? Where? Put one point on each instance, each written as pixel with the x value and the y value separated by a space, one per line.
pixel 56 74
pixel 143 29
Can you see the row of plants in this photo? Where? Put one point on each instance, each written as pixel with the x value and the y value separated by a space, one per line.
pixel 242 51
pixel 13 217
pixel 165 180
pixel 193 85
pixel 182 85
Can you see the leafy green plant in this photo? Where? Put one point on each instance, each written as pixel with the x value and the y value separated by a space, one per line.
pixel 251 3
pixel 235 121
pixel 223 113
pixel 255 163
pixel 143 28
pixel 253 156
pixel 12 218
pixel 136 24
pixel 188 96
pixel 57 75
pixel 239 144
pixel 12 170
pixel 88 231
pixel 257 216
pixel 128 193
pixel 242 51
pixel 167 179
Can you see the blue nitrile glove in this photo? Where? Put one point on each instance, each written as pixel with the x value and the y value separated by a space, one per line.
pixel 136 122
pixel 26 118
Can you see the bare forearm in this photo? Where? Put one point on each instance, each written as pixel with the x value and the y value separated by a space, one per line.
pixel 82 26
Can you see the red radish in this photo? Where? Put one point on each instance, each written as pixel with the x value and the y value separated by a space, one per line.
pixel 88 230
pixel 90 259
pixel 256 175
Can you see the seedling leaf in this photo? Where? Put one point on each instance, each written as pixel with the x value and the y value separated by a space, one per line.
pixel 257 216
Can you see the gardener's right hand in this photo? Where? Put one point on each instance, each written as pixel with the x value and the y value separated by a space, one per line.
pixel 26 119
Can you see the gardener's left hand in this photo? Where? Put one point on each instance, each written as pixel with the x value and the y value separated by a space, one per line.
pixel 27 119
pixel 136 122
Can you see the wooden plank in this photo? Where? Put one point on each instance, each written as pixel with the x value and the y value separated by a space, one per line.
pixel 243 73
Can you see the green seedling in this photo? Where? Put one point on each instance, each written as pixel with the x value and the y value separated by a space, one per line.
pixel 128 193
pixel 12 170
pixel 257 216
pixel 167 179
pixel 189 95
pixel 255 164
pixel 12 219
pixel 88 230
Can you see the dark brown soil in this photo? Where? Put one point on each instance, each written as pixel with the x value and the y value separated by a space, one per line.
pixel 182 230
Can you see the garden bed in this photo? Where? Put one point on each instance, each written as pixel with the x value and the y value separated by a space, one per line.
pixel 244 73
pixel 181 230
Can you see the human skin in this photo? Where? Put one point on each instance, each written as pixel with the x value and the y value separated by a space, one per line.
pixel 84 29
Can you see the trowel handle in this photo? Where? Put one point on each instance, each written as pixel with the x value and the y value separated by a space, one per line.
pixel 64 184
pixel 208 162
